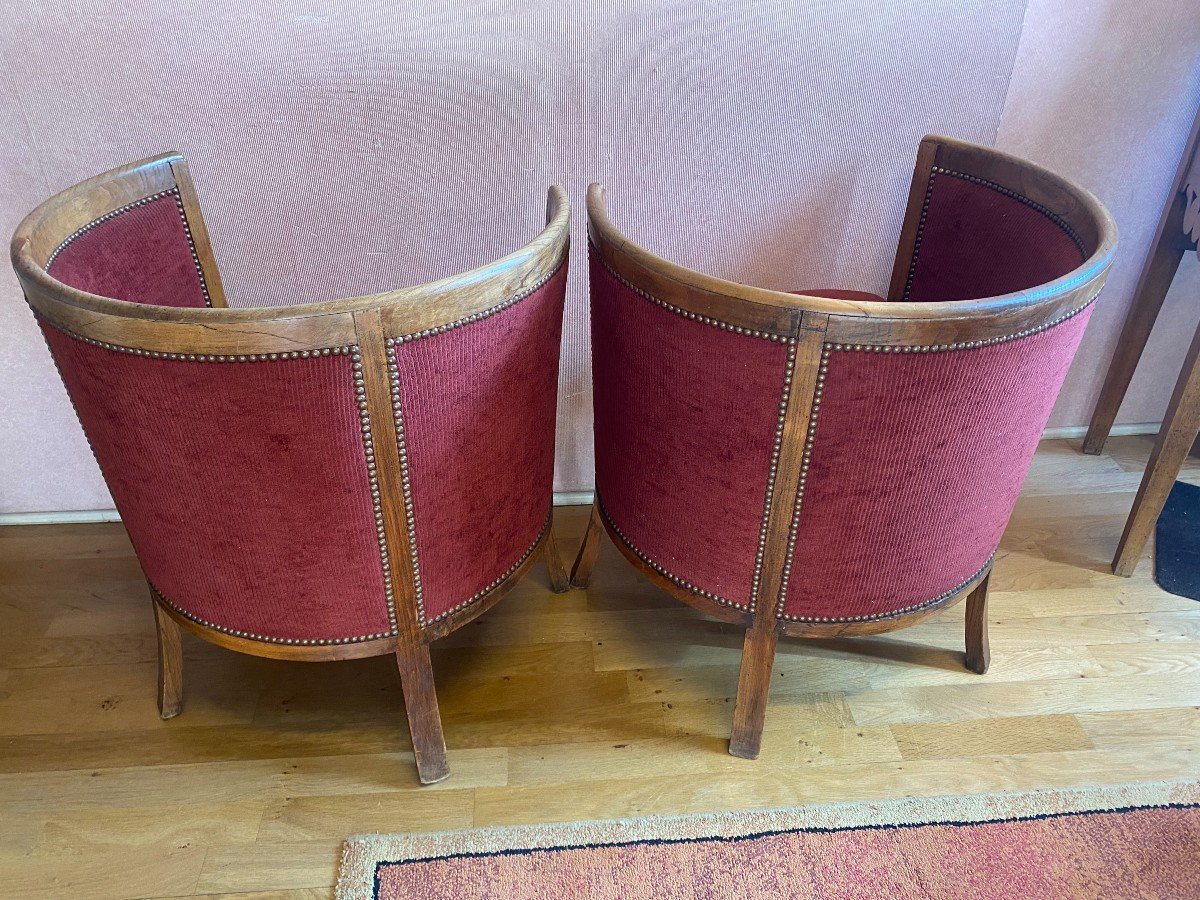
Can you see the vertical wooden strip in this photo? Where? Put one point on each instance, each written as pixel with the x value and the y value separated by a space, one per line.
pixel 412 652
pixel 802 392
pixel 758 653
pixel 199 231
pixel 373 351
pixel 926 154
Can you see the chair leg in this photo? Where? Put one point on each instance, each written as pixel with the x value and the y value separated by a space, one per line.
pixel 1175 438
pixel 754 683
pixel 554 564
pixel 581 572
pixel 424 720
pixel 170 664
pixel 979 652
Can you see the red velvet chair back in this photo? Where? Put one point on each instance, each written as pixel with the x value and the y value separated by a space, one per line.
pixel 833 462
pixel 324 474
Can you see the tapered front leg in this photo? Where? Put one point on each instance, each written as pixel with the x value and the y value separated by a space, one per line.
pixel 424 720
pixel 581 572
pixel 170 663
pixel 554 564
pixel 979 653
pixel 754 683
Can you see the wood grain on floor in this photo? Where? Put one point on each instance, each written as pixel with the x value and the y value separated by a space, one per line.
pixel 611 702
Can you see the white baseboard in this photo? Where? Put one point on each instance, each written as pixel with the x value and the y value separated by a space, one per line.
pixel 573 498
pixel 1074 432
pixel 561 498
pixel 77 516
pixel 60 517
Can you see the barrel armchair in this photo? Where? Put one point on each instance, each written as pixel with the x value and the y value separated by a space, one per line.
pixel 320 481
pixel 832 463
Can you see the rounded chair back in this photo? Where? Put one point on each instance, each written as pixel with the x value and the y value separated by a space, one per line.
pixel 332 479
pixel 820 465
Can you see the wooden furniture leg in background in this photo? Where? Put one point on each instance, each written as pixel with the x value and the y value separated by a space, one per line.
pixel 1166 252
pixel 1179 428
pixel 1147 301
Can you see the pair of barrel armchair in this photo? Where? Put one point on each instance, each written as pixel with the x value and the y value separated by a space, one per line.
pixel 363 476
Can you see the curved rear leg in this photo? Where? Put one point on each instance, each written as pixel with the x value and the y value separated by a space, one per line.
pixel 170 662
pixel 979 653
pixel 554 564
pixel 585 560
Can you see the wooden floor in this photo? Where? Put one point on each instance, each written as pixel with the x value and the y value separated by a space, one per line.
pixel 613 702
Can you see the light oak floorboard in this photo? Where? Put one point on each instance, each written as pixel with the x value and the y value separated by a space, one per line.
pixel 615 701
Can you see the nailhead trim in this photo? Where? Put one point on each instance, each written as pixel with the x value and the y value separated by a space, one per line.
pixel 674 579
pixel 1008 192
pixel 360 393
pixel 762 534
pixel 912 263
pixel 187 230
pixel 804 461
pixel 893 614
pixel 405 477
pixel 812 430
pixel 368 449
pixel 487 590
pixel 482 314
pixel 203 357
pixel 687 314
pixel 938 170
pixel 966 345
pixel 295 642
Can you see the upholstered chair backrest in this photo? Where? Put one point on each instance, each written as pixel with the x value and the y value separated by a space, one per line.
pixel 142 252
pixel 685 419
pixel 476 406
pixel 325 473
pixel 836 460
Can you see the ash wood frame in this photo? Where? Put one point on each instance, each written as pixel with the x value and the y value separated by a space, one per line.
pixel 368 322
pixel 810 326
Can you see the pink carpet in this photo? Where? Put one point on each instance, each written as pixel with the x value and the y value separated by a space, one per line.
pixel 1137 841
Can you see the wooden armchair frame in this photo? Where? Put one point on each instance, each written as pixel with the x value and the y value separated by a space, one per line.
pixel 810 326
pixel 370 324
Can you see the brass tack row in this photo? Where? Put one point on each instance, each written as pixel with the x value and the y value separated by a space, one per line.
pixel 405 478
pixel 675 579
pixel 762 533
pixel 895 613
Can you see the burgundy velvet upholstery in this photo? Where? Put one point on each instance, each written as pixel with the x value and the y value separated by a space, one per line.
pixel 478 405
pixel 243 485
pixel 916 463
pixel 980 242
pixel 685 417
pixel 143 255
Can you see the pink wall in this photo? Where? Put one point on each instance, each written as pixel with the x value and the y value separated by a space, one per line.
pixel 346 148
